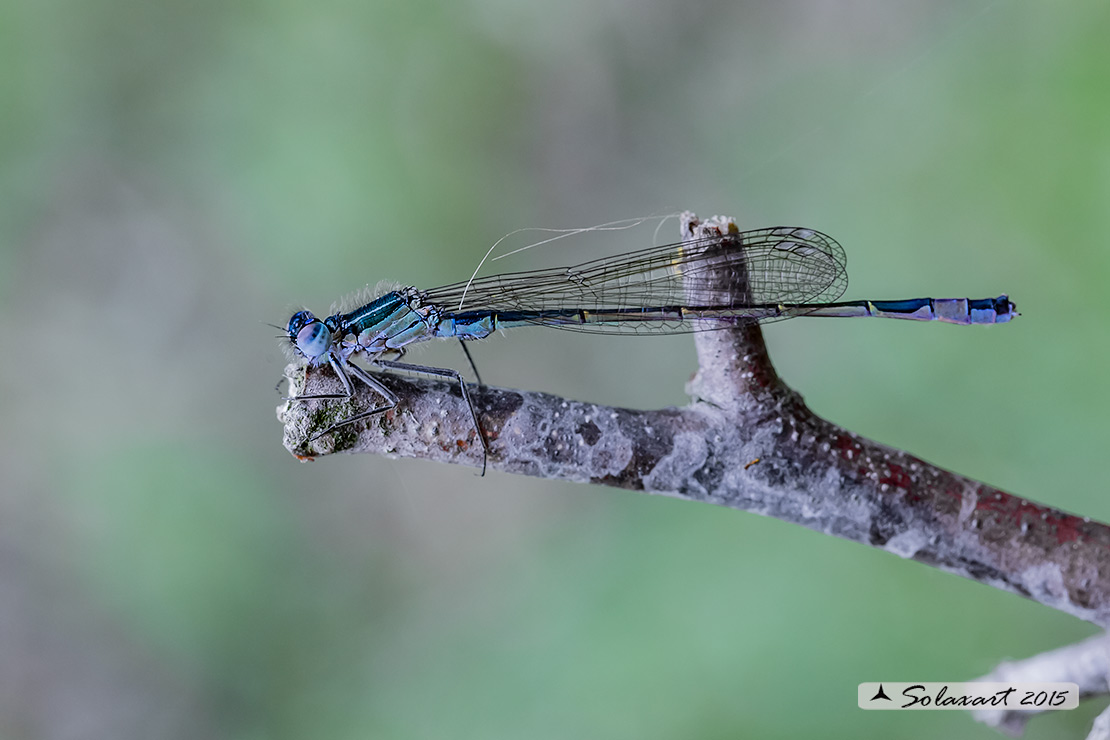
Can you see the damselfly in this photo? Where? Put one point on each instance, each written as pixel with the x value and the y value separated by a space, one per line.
pixel 697 285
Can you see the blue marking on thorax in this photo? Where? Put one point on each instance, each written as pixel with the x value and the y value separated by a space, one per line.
pixel 388 322
pixel 372 314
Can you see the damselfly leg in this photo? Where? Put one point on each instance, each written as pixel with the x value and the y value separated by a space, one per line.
pixel 473 367
pixel 439 372
pixel 391 400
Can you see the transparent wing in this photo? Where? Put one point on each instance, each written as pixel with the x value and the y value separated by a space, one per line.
pixel 781 265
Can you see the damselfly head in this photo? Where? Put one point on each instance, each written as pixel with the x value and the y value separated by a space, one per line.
pixel 309 336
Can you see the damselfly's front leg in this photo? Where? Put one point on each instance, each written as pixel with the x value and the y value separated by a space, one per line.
pixel 348 387
pixel 349 392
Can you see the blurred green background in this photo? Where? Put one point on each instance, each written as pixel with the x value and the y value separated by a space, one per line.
pixel 173 174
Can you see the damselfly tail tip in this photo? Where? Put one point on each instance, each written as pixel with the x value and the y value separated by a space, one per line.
pixel 1005 309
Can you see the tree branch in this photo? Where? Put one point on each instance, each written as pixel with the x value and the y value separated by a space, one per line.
pixel 1086 664
pixel 746 441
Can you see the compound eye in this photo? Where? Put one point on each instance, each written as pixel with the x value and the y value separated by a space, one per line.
pixel 313 339
pixel 296 321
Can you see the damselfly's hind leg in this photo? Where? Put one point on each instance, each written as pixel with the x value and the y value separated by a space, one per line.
pixel 466 351
pixel 440 372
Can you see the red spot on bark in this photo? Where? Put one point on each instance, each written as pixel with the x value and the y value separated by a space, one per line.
pixel 849 448
pixel 898 478
pixel 1017 512
pixel 1067 528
